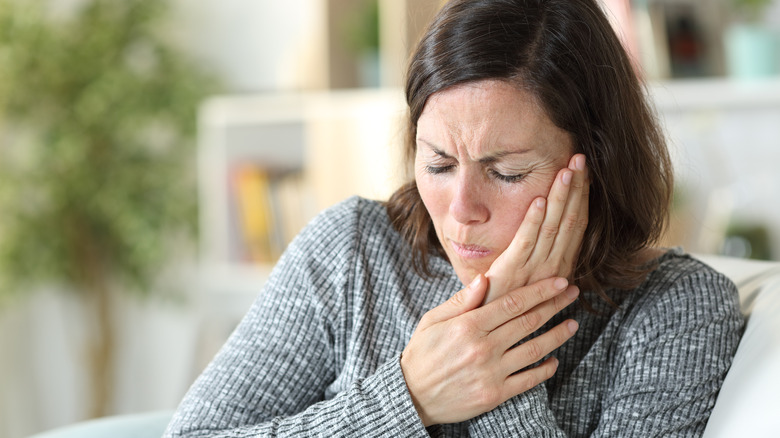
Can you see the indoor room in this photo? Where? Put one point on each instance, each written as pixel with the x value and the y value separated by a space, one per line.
pixel 158 157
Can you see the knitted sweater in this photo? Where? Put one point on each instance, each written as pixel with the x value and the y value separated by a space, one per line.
pixel 318 352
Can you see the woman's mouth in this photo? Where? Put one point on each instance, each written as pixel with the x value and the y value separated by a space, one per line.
pixel 469 251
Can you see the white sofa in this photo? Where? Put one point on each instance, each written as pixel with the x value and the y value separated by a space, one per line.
pixel 748 404
pixel 749 401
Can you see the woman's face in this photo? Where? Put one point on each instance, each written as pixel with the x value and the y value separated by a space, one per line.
pixel 485 151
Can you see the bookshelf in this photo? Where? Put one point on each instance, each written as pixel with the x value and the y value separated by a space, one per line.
pixel 722 134
pixel 322 145
pixel 331 145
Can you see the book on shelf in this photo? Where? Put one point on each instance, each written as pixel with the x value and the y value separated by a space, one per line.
pixel 268 211
pixel 254 214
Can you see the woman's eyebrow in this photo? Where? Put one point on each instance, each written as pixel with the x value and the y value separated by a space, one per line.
pixel 430 145
pixel 491 158
pixel 435 149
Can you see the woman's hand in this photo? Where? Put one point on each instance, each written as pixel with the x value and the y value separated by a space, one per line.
pixel 548 240
pixel 460 362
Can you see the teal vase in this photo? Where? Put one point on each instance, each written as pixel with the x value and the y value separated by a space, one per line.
pixel 751 51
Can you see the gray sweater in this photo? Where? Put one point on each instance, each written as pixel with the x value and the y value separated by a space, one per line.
pixel 318 352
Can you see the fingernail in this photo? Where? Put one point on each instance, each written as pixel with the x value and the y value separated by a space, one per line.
pixel 540 203
pixel 560 283
pixel 567 177
pixel 572 326
pixel 579 162
pixel 572 293
pixel 475 282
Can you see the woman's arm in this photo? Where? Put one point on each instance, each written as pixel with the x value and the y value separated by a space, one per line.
pixel 672 357
pixel 271 377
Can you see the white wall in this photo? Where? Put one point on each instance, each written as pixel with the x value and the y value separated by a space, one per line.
pixel 256 45
pixel 253 45
pixel 44 341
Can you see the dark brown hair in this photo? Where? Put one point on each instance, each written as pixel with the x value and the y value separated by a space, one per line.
pixel 567 55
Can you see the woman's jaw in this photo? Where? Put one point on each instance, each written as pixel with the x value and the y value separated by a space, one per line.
pixel 469 259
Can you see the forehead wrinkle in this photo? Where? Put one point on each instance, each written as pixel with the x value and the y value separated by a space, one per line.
pixel 472 127
pixel 493 155
pixel 469 132
pixel 497 156
pixel 479 141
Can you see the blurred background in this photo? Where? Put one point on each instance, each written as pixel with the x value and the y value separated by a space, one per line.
pixel 157 156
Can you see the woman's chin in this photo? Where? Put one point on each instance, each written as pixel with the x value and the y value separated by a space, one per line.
pixel 467 273
pixel 468 266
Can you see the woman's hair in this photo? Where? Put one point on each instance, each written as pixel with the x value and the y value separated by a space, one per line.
pixel 566 54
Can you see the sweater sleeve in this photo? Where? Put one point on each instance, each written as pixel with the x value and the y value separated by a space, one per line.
pixel 665 368
pixel 272 375
pixel 672 357
pixel 525 415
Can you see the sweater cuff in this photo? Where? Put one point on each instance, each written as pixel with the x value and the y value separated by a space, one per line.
pixel 525 415
pixel 389 387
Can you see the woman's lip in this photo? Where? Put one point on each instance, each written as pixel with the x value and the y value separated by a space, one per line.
pixel 469 251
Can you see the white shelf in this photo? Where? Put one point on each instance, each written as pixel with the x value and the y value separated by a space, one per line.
pixel 715 94
pixel 345 143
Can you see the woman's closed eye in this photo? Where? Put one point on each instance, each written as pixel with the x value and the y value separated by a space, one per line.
pixel 508 178
pixel 512 178
pixel 436 170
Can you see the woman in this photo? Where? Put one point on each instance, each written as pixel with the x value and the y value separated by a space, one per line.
pixel 539 172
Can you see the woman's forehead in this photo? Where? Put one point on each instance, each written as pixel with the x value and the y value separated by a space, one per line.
pixel 491 118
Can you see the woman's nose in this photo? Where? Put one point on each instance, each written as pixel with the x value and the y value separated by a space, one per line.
pixel 468 204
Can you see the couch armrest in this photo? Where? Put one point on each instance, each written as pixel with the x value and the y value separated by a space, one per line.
pixel 749 400
pixel 145 425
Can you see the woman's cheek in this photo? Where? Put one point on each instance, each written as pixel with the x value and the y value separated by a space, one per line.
pixel 511 219
pixel 431 194
pixel 515 205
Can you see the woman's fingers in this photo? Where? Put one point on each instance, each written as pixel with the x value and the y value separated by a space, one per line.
pixel 525 240
pixel 548 239
pixel 564 224
pixel 504 274
pixel 572 251
pixel 515 304
pixel 522 382
pixel 533 350
pixel 537 231
pixel 466 299
pixel 574 218
pixel 518 328
pixel 556 204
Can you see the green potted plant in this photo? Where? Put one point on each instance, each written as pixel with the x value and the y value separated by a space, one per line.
pixel 751 46
pixel 97 122
pixel 361 37
pixel 750 10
